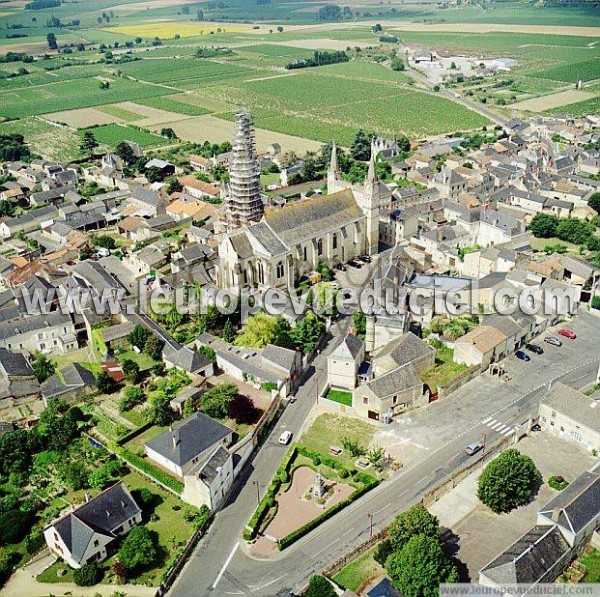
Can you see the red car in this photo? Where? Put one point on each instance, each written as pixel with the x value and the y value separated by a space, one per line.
pixel 568 334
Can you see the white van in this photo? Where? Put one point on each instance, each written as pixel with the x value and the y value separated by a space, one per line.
pixel 285 438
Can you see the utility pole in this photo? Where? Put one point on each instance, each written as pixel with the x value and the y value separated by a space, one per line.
pixel 257 492
pixel 483 440
pixel 370 516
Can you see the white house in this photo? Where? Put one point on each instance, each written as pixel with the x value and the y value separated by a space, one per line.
pixel 86 534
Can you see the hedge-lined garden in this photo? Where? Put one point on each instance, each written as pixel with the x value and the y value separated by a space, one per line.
pixel 267 506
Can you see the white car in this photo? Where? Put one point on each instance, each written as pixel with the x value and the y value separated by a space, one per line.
pixel 285 438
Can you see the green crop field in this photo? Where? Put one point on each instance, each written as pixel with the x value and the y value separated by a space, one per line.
pixel 121 113
pixel 113 134
pixel 590 106
pixel 571 73
pixel 172 70
pixel 172 105
pixel 69 95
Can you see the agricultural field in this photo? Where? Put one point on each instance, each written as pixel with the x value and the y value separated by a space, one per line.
pixel 83 117
pixel 571 73
pixel 56 143
pixel 170 104
pixel 120 113
pixel 591 106
pixel 208 128
pixel 169 29
pixel 554 101
pixel 69 95
pixel 112 134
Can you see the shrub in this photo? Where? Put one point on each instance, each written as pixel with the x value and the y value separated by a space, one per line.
pixel 557 482
pixel 87 576
pixel 316 460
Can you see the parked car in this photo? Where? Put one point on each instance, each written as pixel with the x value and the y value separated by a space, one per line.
pixel 536 428
pixel 355 263
pixel 473 448
pixel 534 348
pixel 567 334
pixel 340 267
pixel 552 340
pixel 522 355
pixel 365 258
pixel 285 438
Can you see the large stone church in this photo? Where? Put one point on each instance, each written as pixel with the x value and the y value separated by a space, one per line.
pixel 264 247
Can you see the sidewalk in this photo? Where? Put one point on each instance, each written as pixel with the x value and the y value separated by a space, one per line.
pixel 22 584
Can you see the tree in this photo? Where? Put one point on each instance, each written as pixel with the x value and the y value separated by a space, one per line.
pixel 508 481
pixel 87 576
pixel 216 401
pixel 330 12
pixel 594 202
pixel 258 331
pixel 543 225
pixel 75 475
pixel 169 133
pixel 319 586
pixel 88 142
pixel 138 336
pixel 131 370
pixel 153 347
pixel 52 43
pixel 138 549
pixel 383 551
pixel 419 568
pixel 228 332
pixel 43 367
pixel 352 445
pixel 359 321
pixel 104 241
pixel 307 332
pixel 398 64
pixel 375 455
pixel 132 395
pixel 160 412
pixel 361 146
pixel 7 209
pixel 415 521
pixel 282 336
pixel 105 383
pixel 242 410
pixel 125 152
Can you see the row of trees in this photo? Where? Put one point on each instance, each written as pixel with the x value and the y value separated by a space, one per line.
pixel 319 58
pixel 572 230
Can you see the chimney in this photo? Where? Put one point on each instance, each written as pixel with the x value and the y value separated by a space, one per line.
pixel 86 497
pixel 555 514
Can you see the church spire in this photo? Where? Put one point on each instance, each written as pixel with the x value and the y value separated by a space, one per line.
pixel 372 173
pixel 333 164
pixel 333 172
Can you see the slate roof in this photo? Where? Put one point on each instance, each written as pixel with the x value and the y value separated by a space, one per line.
pixel 405 349
pixel 10 329
pixel 350 347
pixel 189 439
pixel 267 239
pixel 577 505
pixel 395 381
pixel 216 461
pixel 282 357
pixel 186 358
pixel 575 405
pixel 483 338
pixel 72 377
pixel 528 559
pixel 298 221
pixel 15 364
pixel 102 514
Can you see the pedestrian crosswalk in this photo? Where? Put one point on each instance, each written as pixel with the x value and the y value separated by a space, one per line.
pixel 498 426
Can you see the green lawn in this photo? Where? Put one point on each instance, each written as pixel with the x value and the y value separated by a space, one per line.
pixel 355 575
pixel 144 361
pixel 339 396
pixel 592 564
pixel 444 371
pixel 328 429
pixel 173 105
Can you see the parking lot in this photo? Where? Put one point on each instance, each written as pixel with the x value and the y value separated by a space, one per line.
pixel 478 534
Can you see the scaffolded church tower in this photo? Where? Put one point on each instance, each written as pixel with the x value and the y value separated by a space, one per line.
pixel 243 202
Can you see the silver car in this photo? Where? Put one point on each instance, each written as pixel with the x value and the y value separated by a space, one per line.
pixel 473 448
pixel 552 340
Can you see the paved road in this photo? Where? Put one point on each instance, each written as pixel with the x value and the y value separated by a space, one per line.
pixel 221 565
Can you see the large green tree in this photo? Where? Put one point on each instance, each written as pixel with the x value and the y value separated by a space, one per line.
pixel 415 521
pixel 43 367
pixel 138 336
pixel 215 402
pixel 594 202
pixel 88 142
pixel 361 146
pixel 138 549
pixel 319 586
pixel 258 331
pixel 418 569
pixel 543 225
pixel 508 481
